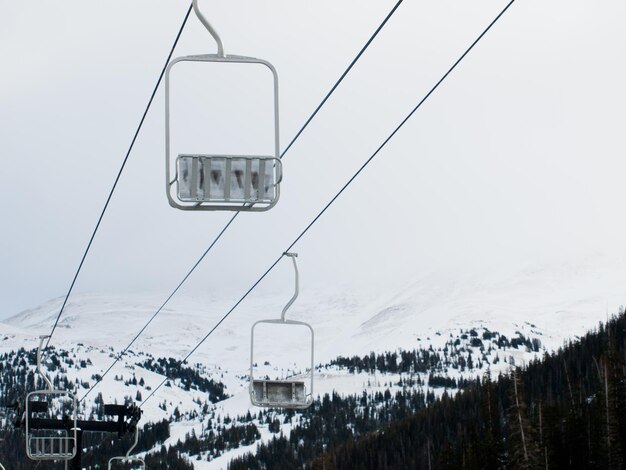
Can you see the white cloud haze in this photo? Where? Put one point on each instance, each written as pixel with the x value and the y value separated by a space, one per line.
pixel 518 156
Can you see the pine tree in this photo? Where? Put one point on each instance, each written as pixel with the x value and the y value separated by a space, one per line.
pixel 522 445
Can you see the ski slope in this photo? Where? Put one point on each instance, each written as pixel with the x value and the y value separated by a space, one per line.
pixel 554 302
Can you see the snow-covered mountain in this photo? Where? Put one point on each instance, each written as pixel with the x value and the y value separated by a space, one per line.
pixel 549 304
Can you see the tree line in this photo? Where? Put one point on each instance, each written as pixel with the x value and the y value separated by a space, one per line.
pixel 565 410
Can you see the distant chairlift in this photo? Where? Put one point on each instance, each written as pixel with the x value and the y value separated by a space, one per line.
pixel 222 182
pixel 287 393
pixel 134 462
pixel 42 444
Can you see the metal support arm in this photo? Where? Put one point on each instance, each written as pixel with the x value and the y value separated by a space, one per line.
pixel 210 29
pixel 39 371
pixel 293 257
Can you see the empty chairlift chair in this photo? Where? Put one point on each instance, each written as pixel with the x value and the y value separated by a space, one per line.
pixel 217 181
pixel 127 460
pixel 287 393
pixel 46 444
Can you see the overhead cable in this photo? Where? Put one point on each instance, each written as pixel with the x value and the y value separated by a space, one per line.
pixel 232 219
pixel 335 197
pixel 119 174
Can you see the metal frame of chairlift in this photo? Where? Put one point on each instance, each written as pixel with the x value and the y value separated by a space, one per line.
pixel 50 447
pixel 197 171
pixel 288 393
pixel 66 442
pixel 127 458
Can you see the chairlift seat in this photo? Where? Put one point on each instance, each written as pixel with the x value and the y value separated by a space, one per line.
pixel 290 393
pixel 42 444
pixel 127 460
pixel 51 447
pixel 197 182
pixel 280 393
pixel 226 179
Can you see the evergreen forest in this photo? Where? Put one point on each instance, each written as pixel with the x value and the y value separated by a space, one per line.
pixel 565 411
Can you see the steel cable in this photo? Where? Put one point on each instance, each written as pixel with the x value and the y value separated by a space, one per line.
pixel 335 197
pixel 232 219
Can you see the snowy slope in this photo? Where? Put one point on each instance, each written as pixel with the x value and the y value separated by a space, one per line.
pixel 552 302
pixel 563 300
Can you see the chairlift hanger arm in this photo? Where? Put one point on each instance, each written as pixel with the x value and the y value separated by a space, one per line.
pixel 42 374
pixel 293 257
pixel 210 29
pixel 133 427
pixel 134 442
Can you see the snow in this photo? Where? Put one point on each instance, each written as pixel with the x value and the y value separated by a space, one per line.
pixel 554 302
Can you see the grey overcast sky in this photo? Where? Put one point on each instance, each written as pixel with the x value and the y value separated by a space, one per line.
pixel 518 157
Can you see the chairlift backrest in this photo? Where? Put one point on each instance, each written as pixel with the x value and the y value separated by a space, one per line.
pixel 215 181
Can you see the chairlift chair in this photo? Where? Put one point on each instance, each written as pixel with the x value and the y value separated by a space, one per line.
pixel 222 182
pixel 135 462
pixel 286 393
pixel 47 444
